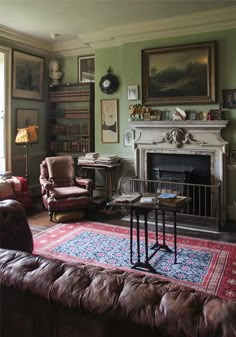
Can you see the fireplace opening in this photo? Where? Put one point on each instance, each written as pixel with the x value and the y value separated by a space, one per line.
pixel 199 165
pixel 184 168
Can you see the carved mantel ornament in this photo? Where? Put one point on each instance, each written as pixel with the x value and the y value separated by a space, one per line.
pixel 178 136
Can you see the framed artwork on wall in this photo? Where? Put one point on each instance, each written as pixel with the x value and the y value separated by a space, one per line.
pixel 229 98
pixel 86 68
pixel 232 157
pixel 128 137
pixel 132 92
pixel 27 76
pixel 109 121
pixel 182 74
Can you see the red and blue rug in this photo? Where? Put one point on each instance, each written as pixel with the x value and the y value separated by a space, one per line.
pixel 206 265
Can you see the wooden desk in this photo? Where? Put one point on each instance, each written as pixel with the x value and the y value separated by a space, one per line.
pixel 110 176
pixel 138 209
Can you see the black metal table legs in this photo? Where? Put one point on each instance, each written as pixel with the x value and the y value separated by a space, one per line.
pixel 146 266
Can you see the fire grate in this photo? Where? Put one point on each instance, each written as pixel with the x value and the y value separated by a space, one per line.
pixel 205 205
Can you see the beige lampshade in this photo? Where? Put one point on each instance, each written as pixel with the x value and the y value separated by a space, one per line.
pixel 28 134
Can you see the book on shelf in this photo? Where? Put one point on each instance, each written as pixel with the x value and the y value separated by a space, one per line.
pixel 148 200
pixel 172 202
pixel 128 197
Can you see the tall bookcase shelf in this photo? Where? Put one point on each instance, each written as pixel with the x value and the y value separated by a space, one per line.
pixel 71 118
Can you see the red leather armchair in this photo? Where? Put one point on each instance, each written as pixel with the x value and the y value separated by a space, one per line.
pixel 60 189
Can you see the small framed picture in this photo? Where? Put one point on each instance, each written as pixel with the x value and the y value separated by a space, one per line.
pixel 229 98
pixel 232 157
pixel 128 137
pixel 109 121
pixel 86 68
pixel 132 92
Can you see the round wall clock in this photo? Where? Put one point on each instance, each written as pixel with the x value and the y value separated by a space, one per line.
pixel 108 83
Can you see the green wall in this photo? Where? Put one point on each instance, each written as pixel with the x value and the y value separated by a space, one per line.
pixel 125 62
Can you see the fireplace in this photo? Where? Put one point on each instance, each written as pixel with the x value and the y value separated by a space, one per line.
pixel 193 151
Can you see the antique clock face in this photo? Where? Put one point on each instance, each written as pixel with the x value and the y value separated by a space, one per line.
pixel 108 83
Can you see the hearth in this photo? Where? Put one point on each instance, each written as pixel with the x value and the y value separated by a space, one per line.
pixel 192 151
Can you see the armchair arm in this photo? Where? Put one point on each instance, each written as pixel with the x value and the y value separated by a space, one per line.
pixel 45 185
pixel 86 183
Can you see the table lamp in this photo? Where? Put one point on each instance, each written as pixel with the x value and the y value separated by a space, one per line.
pixel 25 137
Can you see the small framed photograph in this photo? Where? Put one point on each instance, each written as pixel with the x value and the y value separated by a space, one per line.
pixel 128 137
pixel 109 121
pixel 132 92
pixel 27 76
pixel 232 157
pixel 229 98
pixel 86 68
pixel 26 117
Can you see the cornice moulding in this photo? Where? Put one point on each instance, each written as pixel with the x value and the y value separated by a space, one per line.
pixel 214 20
pixel 21 39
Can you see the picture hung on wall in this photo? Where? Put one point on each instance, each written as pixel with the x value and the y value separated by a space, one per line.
pixel 182 74
pixel 229 98
pixel 132 92
pixel 86 68
pixel 232 157
pixel 109 121
pixel 128 137
pixel 28 76
pixel 26 117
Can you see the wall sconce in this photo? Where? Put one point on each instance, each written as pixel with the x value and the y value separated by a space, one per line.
pixel 25 137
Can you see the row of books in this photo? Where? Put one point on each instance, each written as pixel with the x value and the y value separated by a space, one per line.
pixel 70 129
pixel 69 95
pixel 81 145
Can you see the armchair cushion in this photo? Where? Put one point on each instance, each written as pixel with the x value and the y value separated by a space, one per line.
pixel 63 192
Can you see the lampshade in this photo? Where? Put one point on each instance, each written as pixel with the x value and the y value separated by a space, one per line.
pixel 28 134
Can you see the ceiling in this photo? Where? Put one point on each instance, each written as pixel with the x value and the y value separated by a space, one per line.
pixel 66 20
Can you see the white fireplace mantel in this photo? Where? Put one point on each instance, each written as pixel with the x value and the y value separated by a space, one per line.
pixel 182 137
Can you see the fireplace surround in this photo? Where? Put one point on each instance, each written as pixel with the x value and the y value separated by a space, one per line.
pixel 186 138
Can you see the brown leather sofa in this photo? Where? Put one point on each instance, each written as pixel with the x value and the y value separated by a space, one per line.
pixel 50 298
pixel 15 232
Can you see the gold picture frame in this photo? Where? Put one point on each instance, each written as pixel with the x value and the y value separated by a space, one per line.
pixel 182 74
pixel 27 76
pixel 109 121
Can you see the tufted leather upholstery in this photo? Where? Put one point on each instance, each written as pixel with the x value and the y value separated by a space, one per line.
pixel 15 232
pixel 46 297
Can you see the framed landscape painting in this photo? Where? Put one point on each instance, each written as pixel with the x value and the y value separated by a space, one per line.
pixel 28 76
pixel 182 74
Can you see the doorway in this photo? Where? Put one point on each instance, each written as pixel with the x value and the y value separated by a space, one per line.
pixel 5 118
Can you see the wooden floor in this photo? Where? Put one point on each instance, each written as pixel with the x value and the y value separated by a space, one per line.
pixel 39 221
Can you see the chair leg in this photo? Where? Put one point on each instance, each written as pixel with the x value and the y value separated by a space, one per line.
pixel 50 215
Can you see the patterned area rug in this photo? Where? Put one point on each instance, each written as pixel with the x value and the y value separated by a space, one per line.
pixel 205 265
